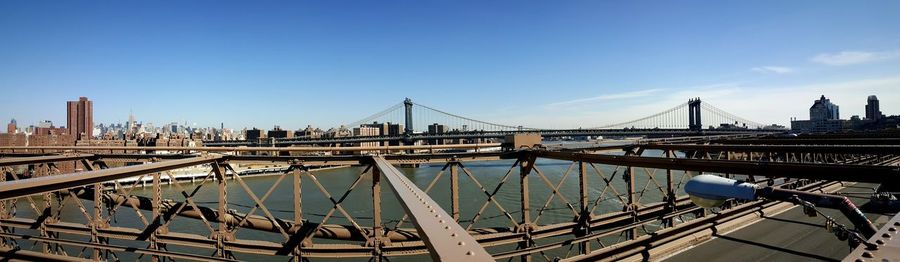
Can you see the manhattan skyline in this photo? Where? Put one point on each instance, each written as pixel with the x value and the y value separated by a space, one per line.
pixel 577 64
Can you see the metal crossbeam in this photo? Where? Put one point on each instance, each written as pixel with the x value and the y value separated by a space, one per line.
pixel 445 239
pixel 834 149
pixel 14 161
pixel 837 172
pixel 12 189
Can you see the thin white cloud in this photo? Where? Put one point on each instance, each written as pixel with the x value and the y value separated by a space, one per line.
pixel 760 103
pixel 853 57
pixel 773 70
pixel 606 97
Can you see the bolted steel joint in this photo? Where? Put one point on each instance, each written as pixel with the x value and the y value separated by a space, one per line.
pixel 225 236
pixel 379 241
pixel 528 228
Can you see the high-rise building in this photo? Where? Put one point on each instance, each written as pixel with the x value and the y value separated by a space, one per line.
pixel 80 118
pixel 277 132
pixel 387 129
pixel 366 131
pixel 11 127
pixel 873 112
pixel 823 109
pixel 435 129
pixel 253 134
pixel 130 124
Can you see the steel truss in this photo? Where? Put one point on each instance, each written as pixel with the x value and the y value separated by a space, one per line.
pixel 638 224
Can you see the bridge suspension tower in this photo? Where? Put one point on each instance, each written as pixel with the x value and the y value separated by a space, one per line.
pixel 694 121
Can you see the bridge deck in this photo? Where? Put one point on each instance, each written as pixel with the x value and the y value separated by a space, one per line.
pixel 789 236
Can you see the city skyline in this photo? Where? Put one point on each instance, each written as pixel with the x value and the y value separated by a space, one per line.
pixel 194 124
pixel 542 65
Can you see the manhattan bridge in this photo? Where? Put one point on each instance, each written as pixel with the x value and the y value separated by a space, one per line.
pixel 681 120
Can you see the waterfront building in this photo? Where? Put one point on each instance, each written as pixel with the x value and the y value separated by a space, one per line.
pixel 277 132
pixel 51 130
pixel 823 109
pixel 11 127
pixel 341 131
pixel 436 129
pixel 366 131
pixel 387 129
pixel 824 118
pixel 253 134
pixel 873 112
pixel 45 123
pixel 80 118
pixel 310 132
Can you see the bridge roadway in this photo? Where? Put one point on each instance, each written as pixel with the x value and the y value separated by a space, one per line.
pixel 788 236
pixel 655 132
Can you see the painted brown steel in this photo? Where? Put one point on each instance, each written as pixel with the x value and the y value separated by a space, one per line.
pixel 12 189
pixel 252 149
pixel 14 161
pixel 445 239
pixel 838 172
pixel 834 149
pixel 644 244
pixel 813 141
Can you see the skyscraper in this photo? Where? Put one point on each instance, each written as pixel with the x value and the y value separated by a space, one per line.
pixel 872 109
pixel 11 127
pixel 80 118
pixel 823 109
pixel 129 127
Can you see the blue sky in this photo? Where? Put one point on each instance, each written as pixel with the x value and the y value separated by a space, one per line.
pixel 548 64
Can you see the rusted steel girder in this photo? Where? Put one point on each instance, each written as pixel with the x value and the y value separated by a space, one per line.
pixel 18 188
pixel 247 149
pixel 838 172
pixel 445 239
pixel 15 161
pixel 835 149
pixel 813 141
pixel 717 222
pixel 308 160
pixel 255 222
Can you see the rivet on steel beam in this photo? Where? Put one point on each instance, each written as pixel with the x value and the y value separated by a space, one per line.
pixel 867 255
pixel 461 243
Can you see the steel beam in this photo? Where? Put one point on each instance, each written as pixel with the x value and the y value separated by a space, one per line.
pixel 18 188
pixel 250 149
pixel 15 161
pixel 837 172
pixel 445 239
pixel 835 149
pixel 813 141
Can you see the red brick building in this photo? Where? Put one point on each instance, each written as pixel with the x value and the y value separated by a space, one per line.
pixel 80 118
pixel 11 127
